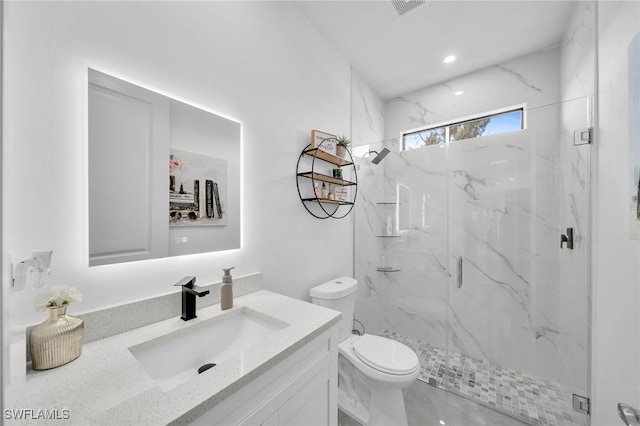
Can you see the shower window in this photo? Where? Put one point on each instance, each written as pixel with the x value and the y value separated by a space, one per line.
pixel 434 136
pixel 500 122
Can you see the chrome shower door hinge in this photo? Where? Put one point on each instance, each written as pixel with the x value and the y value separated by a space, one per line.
pixel 581 404
pixel 582 136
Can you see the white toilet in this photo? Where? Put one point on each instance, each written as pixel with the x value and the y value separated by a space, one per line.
pixel 372 370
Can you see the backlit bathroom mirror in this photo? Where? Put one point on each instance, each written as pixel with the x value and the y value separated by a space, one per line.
pixel 164 176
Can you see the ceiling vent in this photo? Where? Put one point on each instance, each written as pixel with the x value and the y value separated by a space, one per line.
pixel 403 6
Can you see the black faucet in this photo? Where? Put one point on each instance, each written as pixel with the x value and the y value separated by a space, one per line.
pixel 189 292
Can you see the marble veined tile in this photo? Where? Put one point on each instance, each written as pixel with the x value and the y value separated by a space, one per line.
pixel 497 206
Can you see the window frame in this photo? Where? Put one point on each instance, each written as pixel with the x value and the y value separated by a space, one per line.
pixel 446 125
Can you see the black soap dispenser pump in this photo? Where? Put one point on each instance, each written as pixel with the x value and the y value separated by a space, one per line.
pixel 226 291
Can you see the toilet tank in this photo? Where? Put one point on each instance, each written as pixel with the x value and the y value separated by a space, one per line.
pixel 340 295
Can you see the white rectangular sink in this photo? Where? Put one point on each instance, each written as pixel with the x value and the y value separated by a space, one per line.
pixel 175 358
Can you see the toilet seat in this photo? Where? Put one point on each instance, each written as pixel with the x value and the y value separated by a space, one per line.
pixel 386 355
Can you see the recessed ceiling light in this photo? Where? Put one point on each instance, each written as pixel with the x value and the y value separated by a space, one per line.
pixel 449 59
pixel 458 93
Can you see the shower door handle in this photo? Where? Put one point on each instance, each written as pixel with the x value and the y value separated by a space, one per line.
pixel 567 238
pixel 459 285
pixel 629 415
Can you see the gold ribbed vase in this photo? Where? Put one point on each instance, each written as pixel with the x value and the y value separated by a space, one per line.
pixel 57 341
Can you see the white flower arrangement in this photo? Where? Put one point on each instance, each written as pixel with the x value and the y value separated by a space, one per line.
pixel 56 295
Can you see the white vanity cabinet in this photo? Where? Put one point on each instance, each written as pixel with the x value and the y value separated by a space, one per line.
pixel 288 378
pixel 299 390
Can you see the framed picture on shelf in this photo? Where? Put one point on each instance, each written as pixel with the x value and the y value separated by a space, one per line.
pixel 341 194
pixel 318 140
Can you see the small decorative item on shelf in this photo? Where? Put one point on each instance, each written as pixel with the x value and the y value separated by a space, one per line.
pixel 342 145
pixel 340 194
pixel 323 141
pixel 337 173
pixel 330 194
pixel 325 191
pixel 58 340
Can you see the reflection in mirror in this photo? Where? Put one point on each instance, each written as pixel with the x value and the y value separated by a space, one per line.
pixel 138 207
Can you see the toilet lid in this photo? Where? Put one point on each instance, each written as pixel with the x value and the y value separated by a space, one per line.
pixel 386 355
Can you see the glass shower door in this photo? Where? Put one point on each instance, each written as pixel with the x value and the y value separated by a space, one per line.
pixel 518 301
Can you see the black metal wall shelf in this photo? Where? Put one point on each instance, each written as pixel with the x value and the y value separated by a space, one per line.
pixel 326 208
pixel 325 178
pixel 328 201
pixel 330 158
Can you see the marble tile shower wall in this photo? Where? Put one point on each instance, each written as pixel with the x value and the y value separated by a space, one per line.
pixel 500 202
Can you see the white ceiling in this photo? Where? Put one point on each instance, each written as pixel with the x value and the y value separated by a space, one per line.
pixel 399 54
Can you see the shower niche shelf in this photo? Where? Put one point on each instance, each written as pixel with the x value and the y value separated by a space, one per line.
pixel 387 213
pixel 313 166
pixel 388 269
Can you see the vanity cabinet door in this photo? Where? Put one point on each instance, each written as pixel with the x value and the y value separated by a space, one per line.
pixel 304 400
pixel 128 171
pixel 310 405
pixel 300 390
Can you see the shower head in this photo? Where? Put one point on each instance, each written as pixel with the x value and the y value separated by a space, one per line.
pixel 379 156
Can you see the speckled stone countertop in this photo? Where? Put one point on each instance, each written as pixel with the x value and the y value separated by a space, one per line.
pixel 107 385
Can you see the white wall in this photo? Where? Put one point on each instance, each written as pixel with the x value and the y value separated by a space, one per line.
pixel 367 113
pixel 616 313
pixel 532 79
pixel 258 62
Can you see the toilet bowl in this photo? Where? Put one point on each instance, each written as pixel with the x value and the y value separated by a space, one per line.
pixel 373 371
pixel 371 383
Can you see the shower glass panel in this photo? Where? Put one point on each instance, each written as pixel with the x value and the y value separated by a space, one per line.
pixel 401 250
pixel 518 306
pixel 458 256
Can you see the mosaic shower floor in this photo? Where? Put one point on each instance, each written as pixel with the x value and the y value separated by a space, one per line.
pixel 533 399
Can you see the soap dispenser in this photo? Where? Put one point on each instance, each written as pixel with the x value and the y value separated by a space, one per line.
pixel 226 291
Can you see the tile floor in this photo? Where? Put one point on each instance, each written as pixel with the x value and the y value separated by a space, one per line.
pixel 430 406
pixel 533 399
